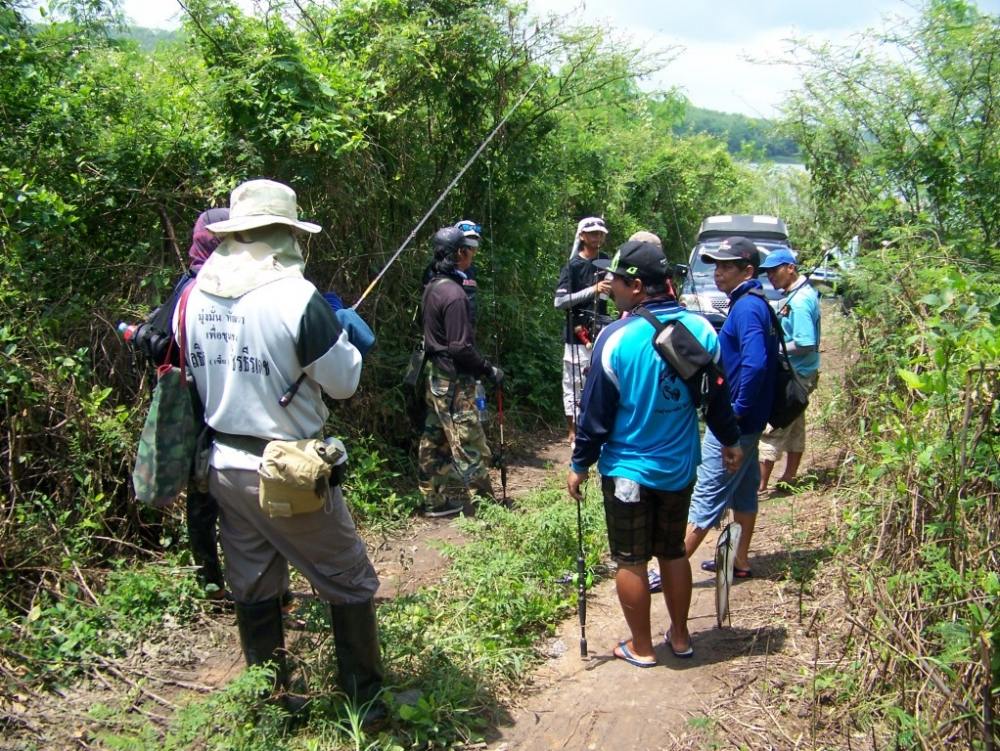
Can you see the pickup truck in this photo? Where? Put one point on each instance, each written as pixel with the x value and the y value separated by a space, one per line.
pixel 698 292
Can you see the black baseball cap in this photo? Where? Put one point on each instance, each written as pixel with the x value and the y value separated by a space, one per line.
pixel 638 259
pixel 733 249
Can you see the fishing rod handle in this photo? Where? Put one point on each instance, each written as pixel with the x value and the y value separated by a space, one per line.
pixel 287 397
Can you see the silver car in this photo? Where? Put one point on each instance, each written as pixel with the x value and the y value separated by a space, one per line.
pixel 699 293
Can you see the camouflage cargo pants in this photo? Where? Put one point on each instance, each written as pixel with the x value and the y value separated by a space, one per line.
pixel 453 454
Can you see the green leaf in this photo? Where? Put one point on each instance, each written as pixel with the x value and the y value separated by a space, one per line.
pixel 911 379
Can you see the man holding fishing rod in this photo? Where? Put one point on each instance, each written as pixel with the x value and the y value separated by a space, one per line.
pixel 254 325
pixel 583 293
pixel 639 424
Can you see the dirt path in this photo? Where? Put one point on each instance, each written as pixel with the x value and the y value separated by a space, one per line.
pixel 735 685
pixel 737 691
pixel 603 703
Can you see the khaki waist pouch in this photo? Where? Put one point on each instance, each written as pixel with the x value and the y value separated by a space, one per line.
pixel 295 476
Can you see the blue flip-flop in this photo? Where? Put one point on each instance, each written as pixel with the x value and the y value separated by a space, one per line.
pixel 631 659
pixel 655 582
pixel 681 653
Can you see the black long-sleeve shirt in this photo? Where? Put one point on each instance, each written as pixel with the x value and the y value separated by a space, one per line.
pixel 574 291
pixel 449 334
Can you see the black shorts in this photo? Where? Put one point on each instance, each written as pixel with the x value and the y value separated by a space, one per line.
pixel 653 525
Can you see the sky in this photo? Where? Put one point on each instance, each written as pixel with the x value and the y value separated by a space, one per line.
pixel 730 55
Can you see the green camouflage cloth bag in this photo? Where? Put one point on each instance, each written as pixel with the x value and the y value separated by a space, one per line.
pixel 167 444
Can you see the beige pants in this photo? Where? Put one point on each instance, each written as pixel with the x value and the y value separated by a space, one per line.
pixel 323 545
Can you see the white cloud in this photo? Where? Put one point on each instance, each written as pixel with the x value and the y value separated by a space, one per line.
pixel 153 14
pixel 753 76
pixel 730 52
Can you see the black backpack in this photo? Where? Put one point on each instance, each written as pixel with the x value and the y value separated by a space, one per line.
pixel 696 367
pixel 790 395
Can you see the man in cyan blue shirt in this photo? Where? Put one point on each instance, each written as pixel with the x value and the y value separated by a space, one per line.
pixel 800 324
pixel 749 357
pixel 639 424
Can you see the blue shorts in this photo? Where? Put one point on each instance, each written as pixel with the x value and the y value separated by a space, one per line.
pixel 716 490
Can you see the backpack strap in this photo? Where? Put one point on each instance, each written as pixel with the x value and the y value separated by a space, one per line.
pixel 181 336
pixel 780 334
pixel 775 323
pixel 657 324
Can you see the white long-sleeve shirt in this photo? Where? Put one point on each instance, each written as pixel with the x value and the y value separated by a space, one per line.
pixel 245 352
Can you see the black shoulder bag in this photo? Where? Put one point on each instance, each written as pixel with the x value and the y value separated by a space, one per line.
pixel 706 383
pixel 684 353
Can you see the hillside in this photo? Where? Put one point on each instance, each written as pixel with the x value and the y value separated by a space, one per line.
pixel 741 133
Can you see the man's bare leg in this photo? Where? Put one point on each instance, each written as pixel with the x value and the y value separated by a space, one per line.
pixel 792 462
pixel 693 539
pixel 633 595
pixel 746 522
pixel 766 467
pixel 676 575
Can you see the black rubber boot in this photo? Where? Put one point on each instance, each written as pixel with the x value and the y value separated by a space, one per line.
pixel 262 636
pixel 359 658
pixel 202 515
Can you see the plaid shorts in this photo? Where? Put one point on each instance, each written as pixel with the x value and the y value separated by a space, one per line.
pixel 653 524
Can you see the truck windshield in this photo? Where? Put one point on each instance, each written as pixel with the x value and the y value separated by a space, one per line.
pixel 698 266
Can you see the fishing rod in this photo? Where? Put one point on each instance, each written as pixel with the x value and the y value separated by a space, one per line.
pixel 581 579
pixel 287 397
pixel 501 454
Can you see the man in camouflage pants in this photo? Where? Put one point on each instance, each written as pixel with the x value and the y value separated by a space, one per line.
pixel 453 442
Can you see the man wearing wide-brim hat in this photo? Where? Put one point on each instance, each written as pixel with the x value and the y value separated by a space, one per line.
pixel 254 325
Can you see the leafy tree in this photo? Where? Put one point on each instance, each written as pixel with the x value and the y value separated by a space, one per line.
pixel 906 129
pixel 368 108
pixel 740 132
pixel 901 138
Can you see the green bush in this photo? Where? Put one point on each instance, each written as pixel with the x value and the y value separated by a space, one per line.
pixel 367 109
pixel 926 405
pixel 69 634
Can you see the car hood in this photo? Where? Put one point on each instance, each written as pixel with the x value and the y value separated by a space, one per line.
pixel 704 284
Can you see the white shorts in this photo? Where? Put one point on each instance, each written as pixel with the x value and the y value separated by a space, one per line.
pixel 576 363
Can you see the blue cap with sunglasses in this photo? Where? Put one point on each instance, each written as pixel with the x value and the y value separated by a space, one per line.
pixel 470 230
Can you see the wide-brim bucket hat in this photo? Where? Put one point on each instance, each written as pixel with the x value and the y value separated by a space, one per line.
pixel 259 203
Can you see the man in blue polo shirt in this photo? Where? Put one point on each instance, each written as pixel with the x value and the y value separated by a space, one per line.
pixel 749 357
pixel 639 424
pixel 800 324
